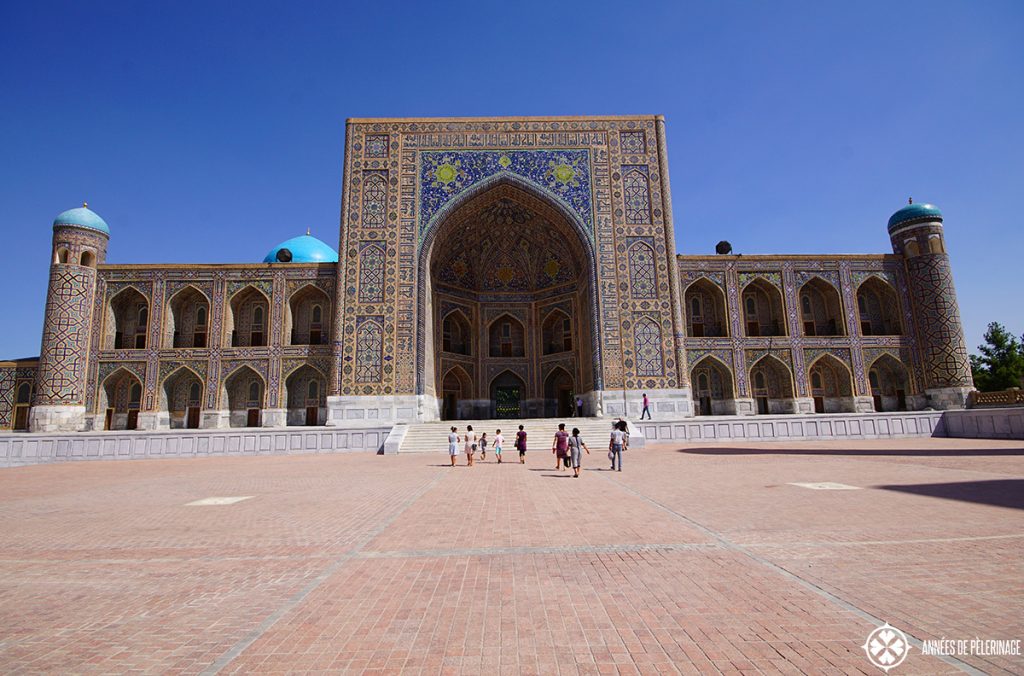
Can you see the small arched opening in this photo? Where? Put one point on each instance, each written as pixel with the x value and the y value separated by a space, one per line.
pixel 889 383
pixel 556 333
pixel 831 386
pixel 456 336
pixel 187 324
pixel 763 309
pixel 182 398
pixel 712 385
pixel 248 318
pixel 127 321
pixel 244 391
pixel 507 337
pixel 308 320
pixel 306 391
pixel 879 308
pixel 705 310
pixel 771 384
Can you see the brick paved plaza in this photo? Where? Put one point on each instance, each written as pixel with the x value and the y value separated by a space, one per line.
pixel 693 560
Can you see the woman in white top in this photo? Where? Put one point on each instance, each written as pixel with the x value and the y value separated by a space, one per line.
pixel 470 440
pixel 453 445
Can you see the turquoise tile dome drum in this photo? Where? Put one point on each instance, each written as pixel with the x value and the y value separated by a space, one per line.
pixel 302 249
pixel 82 217
pixel 914 213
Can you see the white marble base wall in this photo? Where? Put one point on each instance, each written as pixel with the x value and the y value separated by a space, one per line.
pixel 56 418
pixel 946 398
pixel 818 427
pixel 19 448
pixel 672 404
pixel 985 423
pixel 398 408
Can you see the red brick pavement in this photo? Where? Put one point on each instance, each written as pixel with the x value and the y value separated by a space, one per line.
pixel 695 560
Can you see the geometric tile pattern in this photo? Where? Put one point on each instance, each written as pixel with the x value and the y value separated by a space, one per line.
pixel 647 341
pixel 643 280
pixel 636 194
pixel 632 142
pixel 375 194
pixel 371 272
pixel 943 350
pixel 65 336
pixel 369 345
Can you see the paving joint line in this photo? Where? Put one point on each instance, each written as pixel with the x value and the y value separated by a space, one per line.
pixel 542 550
pixel 240 646
pixel 807 584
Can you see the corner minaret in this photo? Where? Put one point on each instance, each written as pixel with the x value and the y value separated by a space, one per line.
pixel 916 234
pixel 79 244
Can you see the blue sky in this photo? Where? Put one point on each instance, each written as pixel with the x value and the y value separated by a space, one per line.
pixel 209 132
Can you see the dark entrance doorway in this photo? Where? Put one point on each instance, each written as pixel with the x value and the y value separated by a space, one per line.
pixel 558 389
pixel 507 392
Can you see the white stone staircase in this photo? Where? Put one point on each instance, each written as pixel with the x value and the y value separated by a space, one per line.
pixel 432 437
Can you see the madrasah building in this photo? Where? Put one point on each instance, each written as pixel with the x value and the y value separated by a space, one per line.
pixel 489 268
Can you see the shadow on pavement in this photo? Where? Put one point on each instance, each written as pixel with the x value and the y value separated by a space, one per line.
pixel 910 452
pixel 997 492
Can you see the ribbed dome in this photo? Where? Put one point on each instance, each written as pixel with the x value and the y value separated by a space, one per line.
pixel 82 217
pixel 302 249
pixel 914 213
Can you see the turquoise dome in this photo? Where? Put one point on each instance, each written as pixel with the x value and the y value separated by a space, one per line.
pixel 303 249
pixel 82 217
pixel 914 212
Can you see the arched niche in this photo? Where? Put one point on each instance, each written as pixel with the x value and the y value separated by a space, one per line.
pixel 187 320
pixel 506 337
pixel 248 318
pixel 308 320
pixel 559 391
pixel 771 384
pixel 507 391
pixel 705 310
pixel 712 384
pixel 878 307
pixel 508 247
pixel 456 334
pixel 119 400
pixel 127 320
pixel 456 394
pixel 821 310
pixel 181 396
pixel 890 384
pixel 831 385
pixel 556 333
pixel 763 309
pixel 22 405
pixel 306 394
pixel 244 391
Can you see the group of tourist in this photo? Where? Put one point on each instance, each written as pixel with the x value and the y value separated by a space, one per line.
pixel 567 448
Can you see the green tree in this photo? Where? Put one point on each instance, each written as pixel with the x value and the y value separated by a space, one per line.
pixel 1001 363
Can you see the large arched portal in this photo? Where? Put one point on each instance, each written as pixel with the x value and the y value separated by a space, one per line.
pixel 517 271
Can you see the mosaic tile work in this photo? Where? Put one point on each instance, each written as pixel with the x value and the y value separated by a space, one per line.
pixel 563 175
pixel 636 194
pixel 943 349
pixel 643 277
pixel 65 345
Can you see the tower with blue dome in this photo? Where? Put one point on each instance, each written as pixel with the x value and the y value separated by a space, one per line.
pixel 917 236
pixel 80 239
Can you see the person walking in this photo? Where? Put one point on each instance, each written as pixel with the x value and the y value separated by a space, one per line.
pixel 470 440
pixel 575 444
pixel 560 447
pixel 453 445
pixel 483 446
pixel 617 444
pixel 521 445
pixel 646 408
pixel 579 407
pixel 499 441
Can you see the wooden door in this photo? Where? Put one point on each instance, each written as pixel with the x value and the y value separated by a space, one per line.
pixel 901 400
pixel 192 418
pixel 254 418
pixel 705 405
pixel 819 404
pixel 108 420
pixel 133 420
pixel 877 398
pixel 753 329
pixel 21 417
pixel 312 415
pixel 762 405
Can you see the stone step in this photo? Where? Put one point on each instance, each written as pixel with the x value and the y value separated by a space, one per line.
pixel 432 437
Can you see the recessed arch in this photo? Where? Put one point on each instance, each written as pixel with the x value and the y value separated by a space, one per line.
pixel 559 391
pixel 88 259
pixel 705 309
pixel 771 384
pixel 307 316
pixel 821 309
pixel 713 390
pixel 556 332
pixel 127 320
pixel 244 391
pixel 248 317
pixel 187 319
pixel 830 382
pixel 456 334
pixel 181 397
pixel 506 337
pixel 507 390
pixel 306 396
pixel 878 307
pixel 456 390
pixel 451 218
pixel 763 309
pixel 119 399
pixel 889 381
